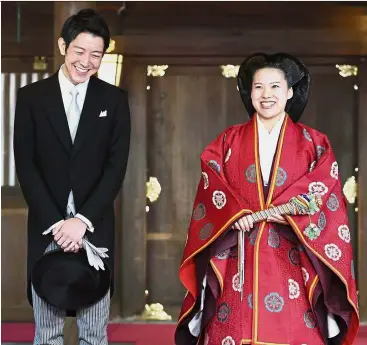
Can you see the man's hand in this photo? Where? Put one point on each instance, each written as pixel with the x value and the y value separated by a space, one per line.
pixel 76 248
pixel 244 224
pixel 277 219
pixel 70 234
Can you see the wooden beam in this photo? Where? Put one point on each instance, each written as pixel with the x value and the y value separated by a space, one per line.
pixel 223 42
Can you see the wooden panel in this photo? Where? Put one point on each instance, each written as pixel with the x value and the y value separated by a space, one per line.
pixel 187 110
pixel 28 27
pixel 362 191
pixel 23 64
pixel 14 303
pixel 133 246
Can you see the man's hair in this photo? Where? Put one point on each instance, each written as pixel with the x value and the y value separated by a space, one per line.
pixel 86 20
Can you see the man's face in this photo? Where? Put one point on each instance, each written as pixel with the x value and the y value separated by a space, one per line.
pixel 83 56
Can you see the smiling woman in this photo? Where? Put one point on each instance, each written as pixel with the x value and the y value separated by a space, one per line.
pixel 285 280
pixel 270 93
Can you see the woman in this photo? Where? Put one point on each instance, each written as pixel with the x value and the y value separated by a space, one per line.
pixel 298 283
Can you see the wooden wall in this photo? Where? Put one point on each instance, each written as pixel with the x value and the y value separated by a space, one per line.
pixel 183 111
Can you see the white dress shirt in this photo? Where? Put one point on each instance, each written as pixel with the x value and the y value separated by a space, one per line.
pixel 267 146
pixel 66 86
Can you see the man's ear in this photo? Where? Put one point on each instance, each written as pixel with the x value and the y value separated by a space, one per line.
pixel 290 93
pixel 62 46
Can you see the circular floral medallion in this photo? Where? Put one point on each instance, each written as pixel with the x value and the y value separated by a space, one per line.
pixel 334 173
pixel 214 165
pixel 307 135
pixel 344 233
pixel 281 177
pixel 250 301
pixel 309 319
pixel 305 275
pixel 293 255
pixel 253 235
pixel 317 188
pixel 273 238
pixel 206 231
pixel 294 290
pixel 274 302
pixel 219 199
pixel 206 179
pixel 236 282
pixel 199 212
pixel 333 252
pixel 250 173
pixel 321 223
pixel 332 203
pixel 223 312
pixel 320 151
pixel 228 341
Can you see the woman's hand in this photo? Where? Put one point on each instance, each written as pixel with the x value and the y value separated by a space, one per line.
pixel 244 224
pixel 277 219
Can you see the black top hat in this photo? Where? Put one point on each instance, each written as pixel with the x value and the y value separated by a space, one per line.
pixel 295 72
pixel 67 281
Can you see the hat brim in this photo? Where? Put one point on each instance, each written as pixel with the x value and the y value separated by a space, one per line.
pixel 297 75
pixel 66 281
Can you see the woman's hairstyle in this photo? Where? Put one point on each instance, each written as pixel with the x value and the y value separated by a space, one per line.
pixel 295 73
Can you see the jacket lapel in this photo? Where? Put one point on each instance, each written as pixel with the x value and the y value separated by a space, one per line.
pixel 89 114
pixel 56 112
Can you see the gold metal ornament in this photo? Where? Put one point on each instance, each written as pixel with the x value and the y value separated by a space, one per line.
pixel 230 71
pixel 347 70
pixel 350 189
pixel 39 63
pixel 156 70
pixel 153 189
pixel 111 46
pixel 155 311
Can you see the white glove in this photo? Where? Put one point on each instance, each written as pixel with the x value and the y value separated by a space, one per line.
pixel 100 251
pixel 93 258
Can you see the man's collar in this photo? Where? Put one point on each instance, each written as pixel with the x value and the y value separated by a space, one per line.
pixel 67 85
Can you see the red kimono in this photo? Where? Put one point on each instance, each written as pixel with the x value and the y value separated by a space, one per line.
pixel 294 275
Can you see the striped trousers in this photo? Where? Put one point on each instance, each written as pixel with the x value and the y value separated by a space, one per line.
pixel 49 321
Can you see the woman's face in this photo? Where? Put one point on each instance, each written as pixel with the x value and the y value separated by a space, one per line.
pixel 270 92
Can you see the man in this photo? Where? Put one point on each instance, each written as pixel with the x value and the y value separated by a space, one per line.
pixel 291 281
pixel 71 145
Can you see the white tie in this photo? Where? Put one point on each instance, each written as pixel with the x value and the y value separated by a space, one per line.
pixel 73 114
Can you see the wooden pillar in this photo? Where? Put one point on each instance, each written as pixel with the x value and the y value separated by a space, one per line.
pixel 362 191
pixel 133 233
pixel 63 10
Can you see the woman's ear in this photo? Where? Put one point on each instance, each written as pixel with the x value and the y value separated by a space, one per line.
pixel 290 93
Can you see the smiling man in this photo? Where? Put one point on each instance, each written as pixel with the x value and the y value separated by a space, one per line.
pixel 71 145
